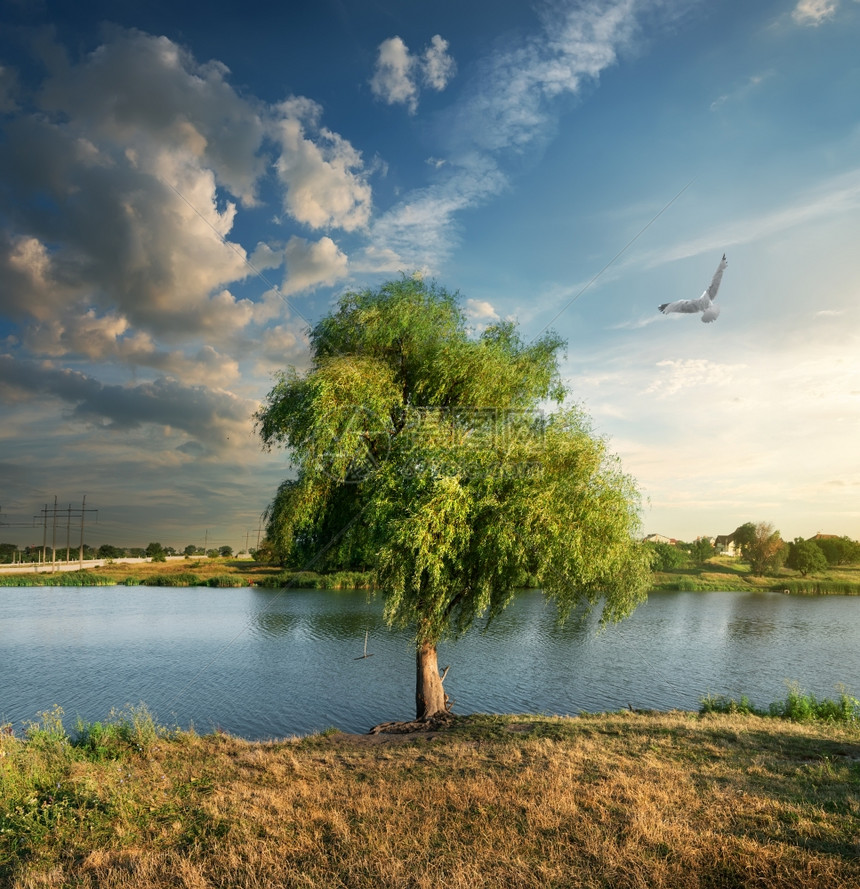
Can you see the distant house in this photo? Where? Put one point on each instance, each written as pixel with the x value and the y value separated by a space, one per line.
pixel 659 538
pixel 725 545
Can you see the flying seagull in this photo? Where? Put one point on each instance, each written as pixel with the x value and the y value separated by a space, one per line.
pixel 705 303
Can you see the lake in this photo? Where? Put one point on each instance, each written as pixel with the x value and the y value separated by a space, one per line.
pixel 269 664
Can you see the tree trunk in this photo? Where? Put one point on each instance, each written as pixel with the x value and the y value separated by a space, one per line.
pixel 430 697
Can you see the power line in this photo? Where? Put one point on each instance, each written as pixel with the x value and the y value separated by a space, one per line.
pixel 635 238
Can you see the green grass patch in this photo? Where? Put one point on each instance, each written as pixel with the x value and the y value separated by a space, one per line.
pixel 181 578
pixel 811 587
pixel 310 580
pixel 62 578
pixel 798 706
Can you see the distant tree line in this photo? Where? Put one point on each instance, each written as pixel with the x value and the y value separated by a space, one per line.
pixel 765 550
pixel 11 552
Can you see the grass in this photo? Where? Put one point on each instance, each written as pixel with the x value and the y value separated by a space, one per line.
pixel 614 800
pixel 797 706
pixel 725 573
pixel 193 572
pixel 718 573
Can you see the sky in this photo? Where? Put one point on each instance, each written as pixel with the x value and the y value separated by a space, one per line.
pixel 185 188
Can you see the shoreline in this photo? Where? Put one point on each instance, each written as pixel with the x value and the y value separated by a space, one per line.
pixel 181 572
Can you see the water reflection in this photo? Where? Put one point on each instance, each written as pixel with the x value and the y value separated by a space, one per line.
pixel 265 663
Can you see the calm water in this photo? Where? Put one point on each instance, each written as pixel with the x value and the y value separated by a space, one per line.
pixel 263 664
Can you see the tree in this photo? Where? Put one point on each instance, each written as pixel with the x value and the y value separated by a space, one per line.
pixel 805 556
pixel 761 546
pixel 155 551
pixel 190 550
pixel 420 450
pixel 701 550
pixel 743 536
pixel 225 552
pixel 838 550
pixel 106 551
pixel 265 552
pixel 665 556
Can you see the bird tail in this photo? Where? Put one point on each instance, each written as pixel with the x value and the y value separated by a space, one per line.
pixel 663 307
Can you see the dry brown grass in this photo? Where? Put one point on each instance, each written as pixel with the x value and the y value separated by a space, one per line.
pixel 625 800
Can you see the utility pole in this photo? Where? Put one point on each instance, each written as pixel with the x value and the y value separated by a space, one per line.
pixel 84 511
pixel 45 532
pixel 81 553
pixel 68 532
pixel 54 538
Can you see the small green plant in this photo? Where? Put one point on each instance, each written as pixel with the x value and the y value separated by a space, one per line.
pixel 802 707
pixel 722 704
pixel 226 580
pixel 130 731
pixel 798 706
pixel 49 730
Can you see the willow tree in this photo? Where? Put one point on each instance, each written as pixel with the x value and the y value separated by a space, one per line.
pixel 426 454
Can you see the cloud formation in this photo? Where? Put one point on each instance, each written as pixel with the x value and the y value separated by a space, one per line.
pixel 814 12
pixel 323 175
pixel 205 413
pixel 312 264
pixel 509 108
pixel 399 75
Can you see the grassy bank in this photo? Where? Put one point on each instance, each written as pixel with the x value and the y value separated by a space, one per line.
pixel 724 573
pixel 719 573
pixel 618 800
pixel 190 572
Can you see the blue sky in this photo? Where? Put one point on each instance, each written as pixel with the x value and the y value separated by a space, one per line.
pixel 185 187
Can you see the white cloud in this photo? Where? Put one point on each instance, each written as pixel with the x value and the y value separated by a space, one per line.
pixel 508 108
pixel 392 79
pixel 481 310
pixel 677 375
pixel 814 12
pixel 437 66
pixel 312 264
pixel 397 72
pixel 325 180
pixel 141 90
pixel 828 199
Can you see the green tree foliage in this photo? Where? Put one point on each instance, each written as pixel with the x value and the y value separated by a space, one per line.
pixel 420 453
pixel 761 546
pixel 225 551
pixel 666 556
pixel 7 552
pixel 806 557
pixel 155 551
pixel 107 551
pixel 701 550
pixel 744 536
pixel 838 550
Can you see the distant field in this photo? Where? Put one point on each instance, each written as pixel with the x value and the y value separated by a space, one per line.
pixel 719 573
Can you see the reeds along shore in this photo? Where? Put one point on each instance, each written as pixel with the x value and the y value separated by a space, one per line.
pixel 615 800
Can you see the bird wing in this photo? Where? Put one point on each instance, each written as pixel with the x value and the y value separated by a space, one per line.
pixel 711 313
pixel 715 281
pixel 682 305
